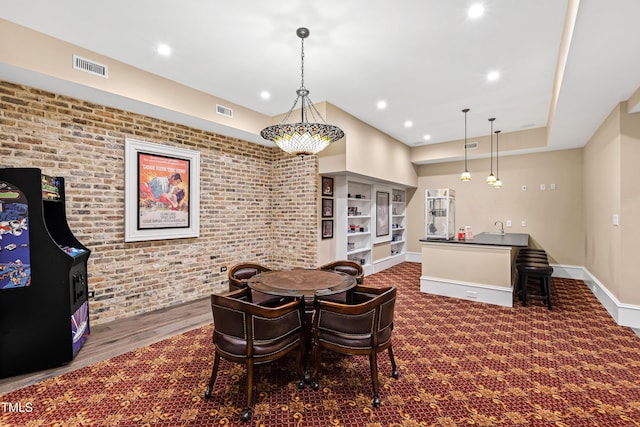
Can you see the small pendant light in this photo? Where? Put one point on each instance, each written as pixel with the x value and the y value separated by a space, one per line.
pixel 498 183
pixel 491 179
pixel 466 176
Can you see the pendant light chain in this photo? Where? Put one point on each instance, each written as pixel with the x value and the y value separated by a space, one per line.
pixel 466 176
pixel 491 155
pixel 465 138
pixel 491 179
pixel 302 64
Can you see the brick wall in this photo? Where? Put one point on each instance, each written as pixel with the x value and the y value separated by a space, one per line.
pixel 257 203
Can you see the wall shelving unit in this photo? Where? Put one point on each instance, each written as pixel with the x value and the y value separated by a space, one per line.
pixel 398 222
pixel 355 221
pixel 359 222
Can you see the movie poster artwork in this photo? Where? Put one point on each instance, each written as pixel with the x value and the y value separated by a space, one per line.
pixel 15 256
pixel 163 192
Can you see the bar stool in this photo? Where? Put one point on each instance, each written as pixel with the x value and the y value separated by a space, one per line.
pixel 530 251
pixel 532 258
pixel 535 270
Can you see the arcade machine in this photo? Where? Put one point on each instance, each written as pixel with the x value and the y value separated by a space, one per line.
pixel 44 319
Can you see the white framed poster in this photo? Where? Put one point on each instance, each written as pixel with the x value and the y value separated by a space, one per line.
pixel 162 192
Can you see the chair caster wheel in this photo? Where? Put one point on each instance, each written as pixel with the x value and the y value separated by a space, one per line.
pixel 301 384
pixel 395 374
pixel 315 385
pixel 376 402
pixel 246 415
pixel 207 393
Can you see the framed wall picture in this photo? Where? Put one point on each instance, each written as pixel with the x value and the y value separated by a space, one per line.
pixel 327 208
pixel 327 186
pixel 327 228
pixel 382 213
pixel 162 192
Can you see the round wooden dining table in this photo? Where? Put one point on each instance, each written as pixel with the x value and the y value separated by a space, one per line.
pixel 304 283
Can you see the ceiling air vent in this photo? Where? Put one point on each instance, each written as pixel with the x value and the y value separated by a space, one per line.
pixel 472 145
pixel 225 111
pixel 91 67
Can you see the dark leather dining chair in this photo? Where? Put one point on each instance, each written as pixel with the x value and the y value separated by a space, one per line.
pixel 240 274
pixel 250 334
pixel 362 326
pixel 351 268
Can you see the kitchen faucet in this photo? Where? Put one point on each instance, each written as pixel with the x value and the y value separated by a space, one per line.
pixel 501 226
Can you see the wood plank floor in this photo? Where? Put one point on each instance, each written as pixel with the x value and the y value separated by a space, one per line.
pixel 120 336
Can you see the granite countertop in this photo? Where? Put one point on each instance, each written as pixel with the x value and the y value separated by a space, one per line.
pixel 520 240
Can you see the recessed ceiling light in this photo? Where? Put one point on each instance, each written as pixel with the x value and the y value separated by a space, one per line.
pixel 475 11
pixel 493 76
pixel 163 49
pixel 381 105
pixel 265 95
pixel 408 124
pixel 427 137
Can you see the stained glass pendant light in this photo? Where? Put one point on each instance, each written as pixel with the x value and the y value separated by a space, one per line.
pixel 303 138
pixel 491 179
pixel 498 183
pixel 466 176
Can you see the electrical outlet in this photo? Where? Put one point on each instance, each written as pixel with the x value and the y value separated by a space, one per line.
pixel 524 188
pixel 543 187
pixel 523 223
pixel 508 223
pixel 223 269
pixel 552 186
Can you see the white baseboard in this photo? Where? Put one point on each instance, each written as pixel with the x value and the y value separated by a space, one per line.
pixel 414 257
pixel 388 262
pixel 623 314
pixel 470 291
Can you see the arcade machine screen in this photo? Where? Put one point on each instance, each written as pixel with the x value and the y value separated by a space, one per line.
pixel 15 264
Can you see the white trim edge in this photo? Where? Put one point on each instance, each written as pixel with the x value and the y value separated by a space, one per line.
pixel 623 314
pixel 470 291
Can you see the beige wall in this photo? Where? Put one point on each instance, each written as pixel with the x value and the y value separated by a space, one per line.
pixel 629 207
pixel 52 57
pixel 367 152
pixel 610 177
pixel 530 139
pixel 554 218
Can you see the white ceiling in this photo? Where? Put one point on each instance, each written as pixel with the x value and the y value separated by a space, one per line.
pixel 426 58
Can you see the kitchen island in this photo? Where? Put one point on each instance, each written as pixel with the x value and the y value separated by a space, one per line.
pixel 479 269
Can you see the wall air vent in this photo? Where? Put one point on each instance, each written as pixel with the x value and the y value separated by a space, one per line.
pixel 89 66
pixel 472 145
pixel 225 111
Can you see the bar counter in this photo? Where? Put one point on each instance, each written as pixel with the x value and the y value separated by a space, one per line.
pixel 481 269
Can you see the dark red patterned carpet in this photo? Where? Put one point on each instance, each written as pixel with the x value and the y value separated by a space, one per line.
pixel 461 363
